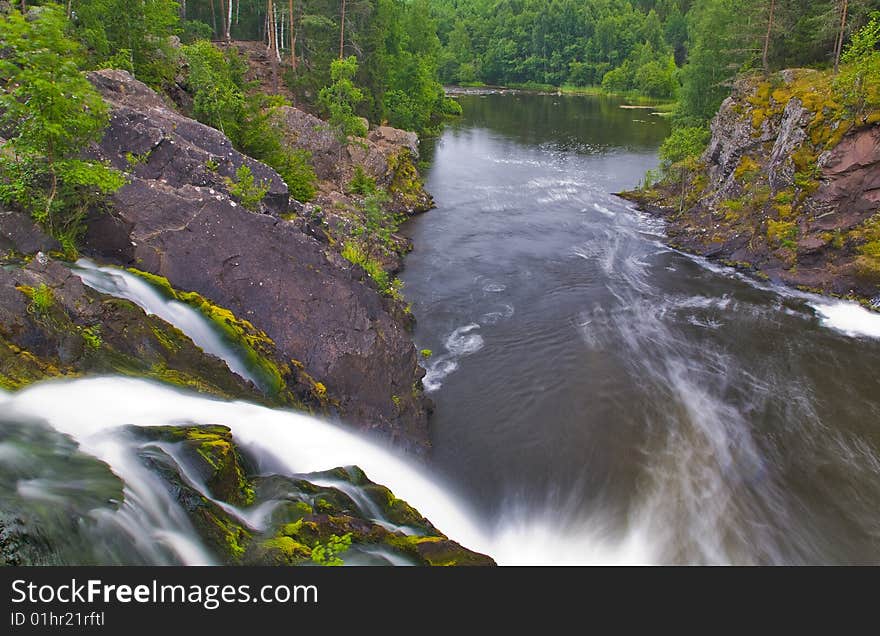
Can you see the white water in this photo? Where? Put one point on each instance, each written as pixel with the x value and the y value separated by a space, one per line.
pixel 122 284
pixel 849 318
pixel 93 410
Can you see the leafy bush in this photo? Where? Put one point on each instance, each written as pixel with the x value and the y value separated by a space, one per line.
pixel 340 99
pixel 683 143
pixel 361 182
pixel 221 100
pixel 246 189
pixel 114 29
pixel 858 84
pixel 50 112
pixel 195 30
pixel 42 300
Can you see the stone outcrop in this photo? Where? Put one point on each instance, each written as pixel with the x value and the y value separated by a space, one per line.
pixel 52 325
pixel 306 516
pixel 789 186
pixel 176 219
pixel 387 156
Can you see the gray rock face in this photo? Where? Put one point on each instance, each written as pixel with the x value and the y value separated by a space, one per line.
pixel 173 219
pixel 789 136
pixel 802 209
pixel 21 235
pixel 153 142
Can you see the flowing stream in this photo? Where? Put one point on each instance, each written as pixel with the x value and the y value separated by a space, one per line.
pixel 601 398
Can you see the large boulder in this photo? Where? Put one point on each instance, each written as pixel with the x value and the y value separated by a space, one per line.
pixel 175 220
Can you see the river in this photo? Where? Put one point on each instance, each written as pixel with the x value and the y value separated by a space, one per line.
pixel 601 398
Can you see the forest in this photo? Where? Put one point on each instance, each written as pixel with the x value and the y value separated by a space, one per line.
pixel 658 48
pixel 384 60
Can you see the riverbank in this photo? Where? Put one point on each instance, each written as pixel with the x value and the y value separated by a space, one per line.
pixel 787 187
pixel 660 106
pixel 285 279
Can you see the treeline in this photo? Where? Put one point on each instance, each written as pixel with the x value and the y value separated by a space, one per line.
pixel 659 48
pixel 394 41
pixel 347 59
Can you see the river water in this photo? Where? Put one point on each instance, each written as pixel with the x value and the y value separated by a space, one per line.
pixel 601 398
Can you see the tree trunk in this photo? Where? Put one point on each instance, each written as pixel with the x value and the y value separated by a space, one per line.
pixel 342 31
pixel 292 37
pixel 838 47
pixel 228 28
pixel 273 43
pixel 214 18
pixel 767 37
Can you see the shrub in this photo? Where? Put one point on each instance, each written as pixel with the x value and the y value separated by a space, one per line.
pixel 361 182
pixel 245 188
pixel 42 300
pixel 340 99
pixel 49 112
pixel 782 232
pixel 684 142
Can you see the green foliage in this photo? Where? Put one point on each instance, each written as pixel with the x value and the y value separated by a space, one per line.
pixel 340 99
pixel 92 336
pixel 683 143
pixel 858 85
pixel 426 353
pixel 42 300
pixel 216 80
pixel 194 30
pixel 223 99
pixel 782 232
pixel 114 29
pixel 50 112
pixel 295 167
pixel 328 553
pixel 361 183
pixel 246 189
pixel 357 254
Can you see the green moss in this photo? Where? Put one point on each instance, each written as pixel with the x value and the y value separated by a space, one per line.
pixel 92 336
pixel 747 169
pixel 868 261
pixel 781 232
pixel 406 184
pixel 19 368
pixel 289 548
pixel 254 345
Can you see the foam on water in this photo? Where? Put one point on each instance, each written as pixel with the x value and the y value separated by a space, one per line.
pixel 849 318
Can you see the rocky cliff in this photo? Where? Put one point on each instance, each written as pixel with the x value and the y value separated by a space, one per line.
pixel 789 186
pixel 339 346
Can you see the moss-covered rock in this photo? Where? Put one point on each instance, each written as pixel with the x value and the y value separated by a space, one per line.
pixel 51 325
pixel 787 185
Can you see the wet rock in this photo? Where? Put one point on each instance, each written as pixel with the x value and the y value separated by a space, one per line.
pixel 305 517
pixel 52 325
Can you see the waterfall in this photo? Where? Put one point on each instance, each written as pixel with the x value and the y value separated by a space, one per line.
pixel 122 284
